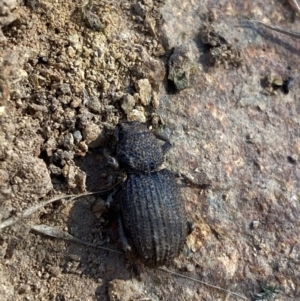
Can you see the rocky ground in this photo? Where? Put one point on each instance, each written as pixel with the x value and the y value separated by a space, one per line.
pixel 226 93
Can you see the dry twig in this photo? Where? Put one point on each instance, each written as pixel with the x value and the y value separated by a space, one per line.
pixel 295 6
pixel 292 34
pixel 54 232
pixel 202 282
pixel 27 212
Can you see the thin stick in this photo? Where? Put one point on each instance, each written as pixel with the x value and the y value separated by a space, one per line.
pixel 54 232
pixel 27 212
pixel 202 282
pixel 292 34
pixel 295 6
pixel 31 210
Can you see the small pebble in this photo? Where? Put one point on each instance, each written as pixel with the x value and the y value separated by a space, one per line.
pixel 65 89
pixel 190 267
pixel 136 115
pixel 255 224
pixel 91 133
pixel 68 141
pixel 77 136
pixel 128 103
pixel 143 86
pixel 55 170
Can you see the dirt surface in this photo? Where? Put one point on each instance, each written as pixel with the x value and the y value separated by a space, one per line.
pixel 214 85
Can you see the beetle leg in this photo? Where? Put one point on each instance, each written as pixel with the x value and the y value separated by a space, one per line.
pixel 167 145
pixel 112 199
pixel 124 240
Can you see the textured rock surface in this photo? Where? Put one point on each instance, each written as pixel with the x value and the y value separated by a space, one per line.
pixel 230 132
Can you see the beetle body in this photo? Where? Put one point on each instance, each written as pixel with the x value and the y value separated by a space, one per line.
pixel 153 217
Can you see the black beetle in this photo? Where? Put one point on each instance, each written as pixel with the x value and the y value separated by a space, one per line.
pixel 152 218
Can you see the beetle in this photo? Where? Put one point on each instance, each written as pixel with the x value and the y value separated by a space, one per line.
pixel 152 218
